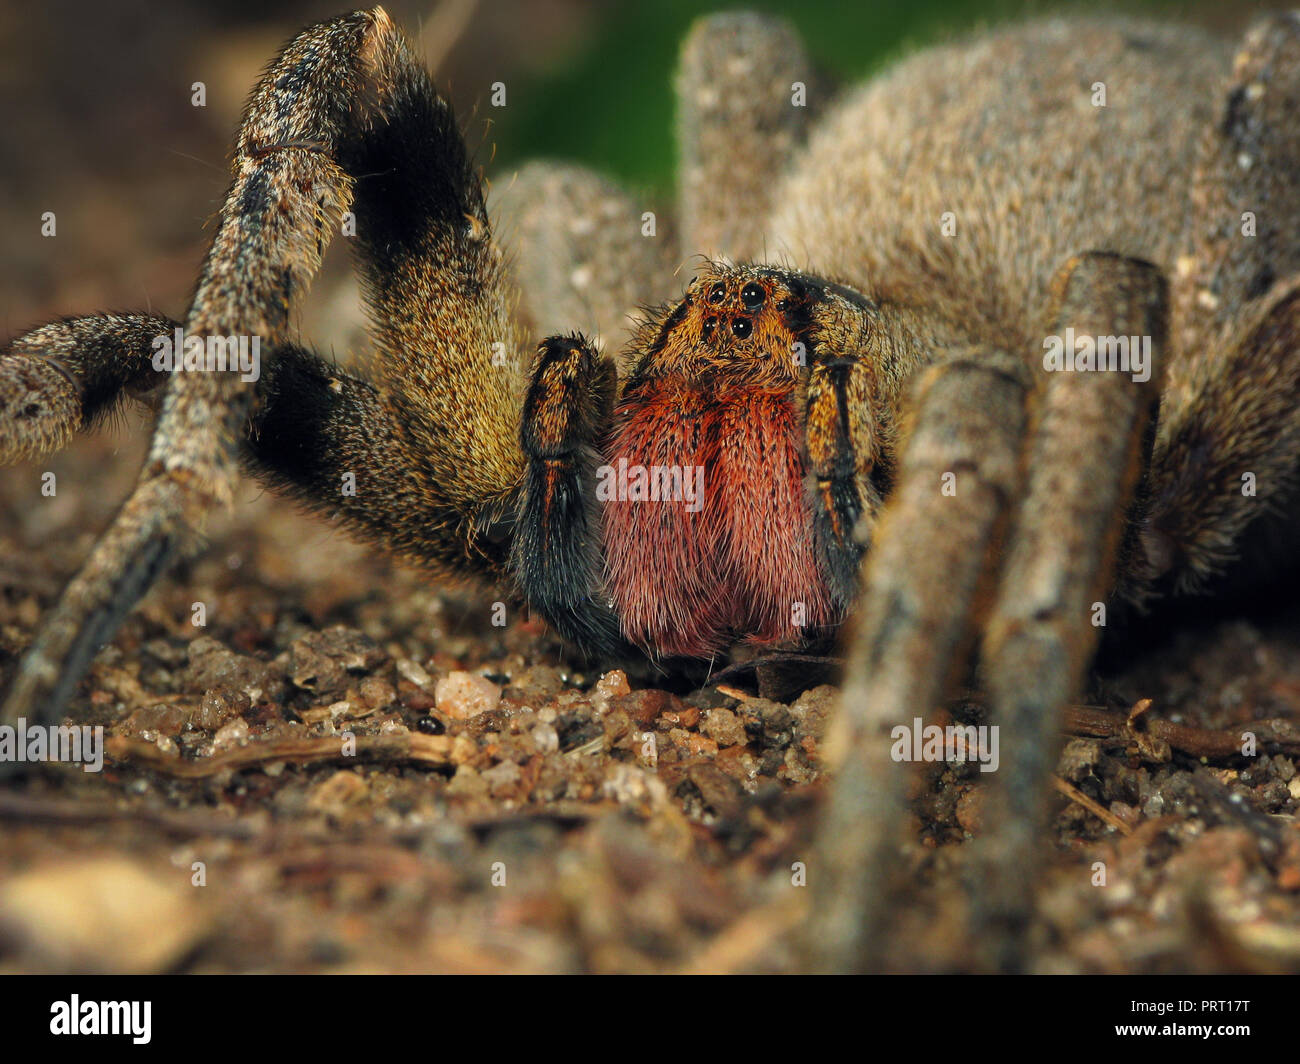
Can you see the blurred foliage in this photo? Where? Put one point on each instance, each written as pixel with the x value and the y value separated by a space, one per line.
pixel 609 102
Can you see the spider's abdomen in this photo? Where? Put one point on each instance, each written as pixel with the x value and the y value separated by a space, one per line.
pixel 707 527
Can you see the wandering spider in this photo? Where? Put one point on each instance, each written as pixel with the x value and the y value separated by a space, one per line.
pixel 1126 186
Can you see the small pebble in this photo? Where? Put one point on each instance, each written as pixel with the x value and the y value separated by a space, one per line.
pixel 462 695
pixel 724 727
pixel 501 777
pixel 546 738
pixel 414 672
pixel 232 733
pixel 612 685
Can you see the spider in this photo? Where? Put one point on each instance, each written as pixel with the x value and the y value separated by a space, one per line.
pixel 852 412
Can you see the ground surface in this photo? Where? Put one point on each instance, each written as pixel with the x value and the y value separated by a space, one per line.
pixel 522 821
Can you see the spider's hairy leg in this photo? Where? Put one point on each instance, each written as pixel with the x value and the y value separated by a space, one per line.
pixel 585 255
pixel 1224 477
pixel 968 420
pixel 932 578
pixel 311 423
pixel 287 196
pixel 442 312
pixel 433 447
pixel 556 554
pixel 70 375
pixel 1089 445
pixel 1224 483
pixel 1245 199
pixel 744 92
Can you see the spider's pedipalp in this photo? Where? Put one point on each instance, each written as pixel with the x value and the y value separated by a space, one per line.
pixel 745 89
pixel 556 552
pixel 842 445
pixel 857 368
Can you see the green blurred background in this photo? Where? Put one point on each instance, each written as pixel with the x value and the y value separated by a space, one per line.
pixel 607 99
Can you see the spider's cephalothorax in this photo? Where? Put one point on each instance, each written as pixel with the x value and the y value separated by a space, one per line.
pixel 976 204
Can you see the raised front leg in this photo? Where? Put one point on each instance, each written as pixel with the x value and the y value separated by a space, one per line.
pixel 343 117
pixel 287 196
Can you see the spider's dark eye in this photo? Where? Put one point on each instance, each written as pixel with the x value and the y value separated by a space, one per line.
pixel 797 289
pixel 752 296
pixel 716 293
pixel 742 327
pixel 709 325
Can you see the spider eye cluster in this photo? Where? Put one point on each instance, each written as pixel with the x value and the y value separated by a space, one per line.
pixel 751 297
pixel 737 309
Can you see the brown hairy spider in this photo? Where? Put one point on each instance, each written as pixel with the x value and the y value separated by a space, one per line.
pixel 1049 328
